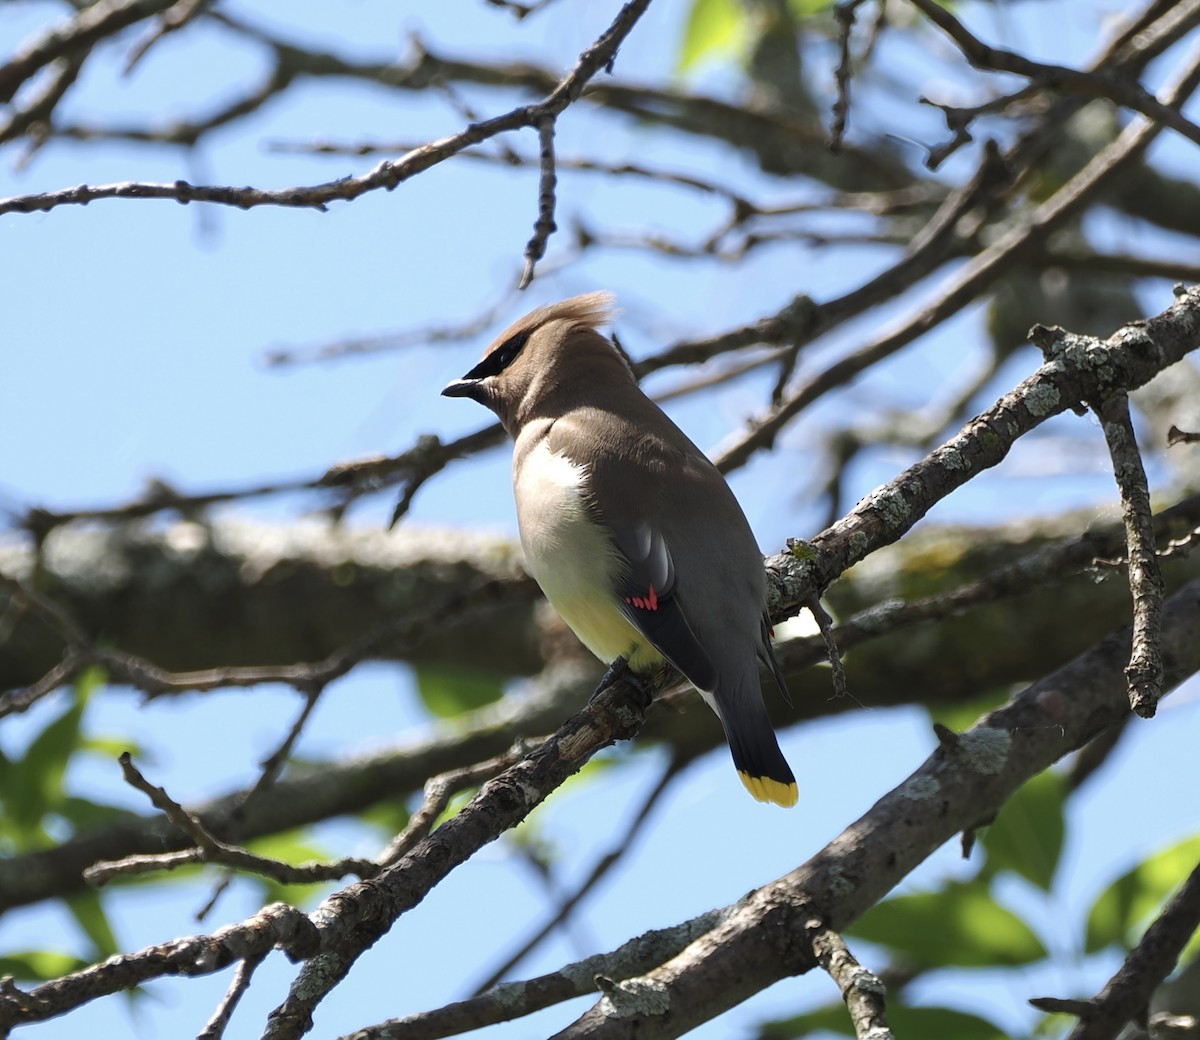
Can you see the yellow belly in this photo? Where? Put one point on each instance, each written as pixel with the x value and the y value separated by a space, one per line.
pixel 606 631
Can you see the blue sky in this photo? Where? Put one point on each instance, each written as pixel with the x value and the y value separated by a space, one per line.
pixel 134 336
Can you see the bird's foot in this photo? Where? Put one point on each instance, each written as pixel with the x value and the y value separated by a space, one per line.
pixel 619 671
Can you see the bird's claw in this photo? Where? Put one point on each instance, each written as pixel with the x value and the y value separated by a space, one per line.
pixel 619 671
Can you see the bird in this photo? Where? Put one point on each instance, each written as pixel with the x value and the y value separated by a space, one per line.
pixel 632 533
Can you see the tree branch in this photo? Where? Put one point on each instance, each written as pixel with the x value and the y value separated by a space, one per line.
pixel 1085 370
pixel 386 175
pixel 1127 994
pixel 758 942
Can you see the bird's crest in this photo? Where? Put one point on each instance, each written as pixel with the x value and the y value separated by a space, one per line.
pixel 592 310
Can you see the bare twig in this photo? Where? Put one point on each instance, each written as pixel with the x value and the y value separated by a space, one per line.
pixel 965 286
pixel 34 115
pixel 1127 994
pixel 273 764
pixel 429 456
pixel 276 925
pixel 606 862
pixel 156 681
pixel 845 13
pixel 438 792
pixel 215 1027
pixel 1131 356
pixel 1049 564
pixel 358 917
pixel 1123 90
pixel 386 175
pixel 90 25
pixel 171 20
pixel 14 702
pixel 832 653
pixel 545 226
pixel 282 356
pixel 214 850
pixel 861 989
pixel 1145 575
pixel 350 480
pixel 511 1000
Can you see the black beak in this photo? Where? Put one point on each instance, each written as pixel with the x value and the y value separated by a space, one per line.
pixel 462 388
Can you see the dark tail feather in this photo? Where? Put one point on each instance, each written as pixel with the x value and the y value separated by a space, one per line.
pixel 766 654
pixel 756 754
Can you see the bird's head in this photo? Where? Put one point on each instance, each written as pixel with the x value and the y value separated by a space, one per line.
pixel 546 358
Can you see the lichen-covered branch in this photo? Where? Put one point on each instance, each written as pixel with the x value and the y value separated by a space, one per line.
pixel 759 942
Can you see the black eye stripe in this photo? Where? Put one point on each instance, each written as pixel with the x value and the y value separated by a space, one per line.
pixel 500 358
pixel 509 350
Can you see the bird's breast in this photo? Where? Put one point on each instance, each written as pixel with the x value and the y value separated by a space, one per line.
pixel 571 556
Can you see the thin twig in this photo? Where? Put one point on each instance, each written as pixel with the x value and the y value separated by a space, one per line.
pixel 547 180
pixel 155 681
pixel 965 286
pixel 860 988
pixel 387 175
pixel 275 925
pixel 214 1028
pixel 511 1000
pixel 13 702
pixel 171 20
pixel 1086 370
pixel 358 917
pixel 35 113
pixel 1122 90
pixel 845 13
pixel 438 792
pixel 832 653
pixel 1145 576
pixel 606 862
pixel 214 850
pixel 273 764
pixel 1127 994
pixel 86 28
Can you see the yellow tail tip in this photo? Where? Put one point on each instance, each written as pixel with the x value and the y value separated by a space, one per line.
pixel 767 790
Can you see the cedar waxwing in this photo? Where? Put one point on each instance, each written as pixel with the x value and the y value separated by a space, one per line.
pixel 633 535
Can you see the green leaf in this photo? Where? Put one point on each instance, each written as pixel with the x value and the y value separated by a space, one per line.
pixel 448 691
pixel 1128 904
pixel 39 965
pixel 1027 837
pixel 802 9
pixel 715 28
pixel 832 1018
pixel 1054 1026
pixel 292 847
pixel 88 912
pixel 963 715
pixel 35 782
pixel 111 747
pixel 959 925
pixel 84 814
pixel 90 680
pixel 455 805
pixel 391 816
pixel 928 1023
pixel 938 1023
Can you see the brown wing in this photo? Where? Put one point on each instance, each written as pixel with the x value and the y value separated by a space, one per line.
pixel 624 489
